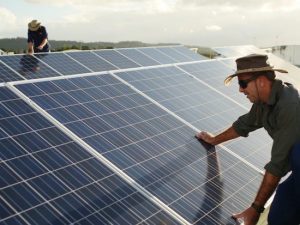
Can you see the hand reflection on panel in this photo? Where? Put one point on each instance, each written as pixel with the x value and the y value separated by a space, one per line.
pixel 29 66
pixel 213 188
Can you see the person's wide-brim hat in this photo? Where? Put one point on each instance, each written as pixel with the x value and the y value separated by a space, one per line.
pixel 251 64
pixel 34 25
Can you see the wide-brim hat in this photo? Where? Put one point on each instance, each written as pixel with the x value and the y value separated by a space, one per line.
pixel 250 64
pixel 34 25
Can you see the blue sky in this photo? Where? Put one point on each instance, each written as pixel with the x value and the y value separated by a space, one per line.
pixel 193 22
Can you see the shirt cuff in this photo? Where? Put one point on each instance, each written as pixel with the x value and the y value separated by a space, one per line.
pixel 274 170
pixel 239 130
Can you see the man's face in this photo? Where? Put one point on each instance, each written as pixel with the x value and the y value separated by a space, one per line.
pixel 248 86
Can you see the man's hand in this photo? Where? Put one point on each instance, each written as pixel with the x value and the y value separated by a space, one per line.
pixel 40 47
pixel 226 135
pixel 249 217
pixel 207 137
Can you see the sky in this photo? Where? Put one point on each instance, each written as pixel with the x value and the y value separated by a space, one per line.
pixel 208 23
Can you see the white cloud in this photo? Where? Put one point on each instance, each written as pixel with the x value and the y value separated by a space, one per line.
pixel 8 21
pixel 142 6
pixel 171 5
pixel 201 22
pixel 7 16
pixel 213 28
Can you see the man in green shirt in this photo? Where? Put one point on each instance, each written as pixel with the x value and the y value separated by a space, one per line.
pixel 276 107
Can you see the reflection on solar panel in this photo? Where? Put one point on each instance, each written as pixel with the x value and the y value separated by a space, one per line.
pixel 46 178
pixel 293 71
pixel 92 61
pixel 62 63
pixel 28 66
pixel 184 51
pixel 116 59
pixel 230 51
pixel 204 105
pixel 213 73
pixel 158 55
pixel 7 74
pixel 171 52
pixel 138 57
pixel 151 146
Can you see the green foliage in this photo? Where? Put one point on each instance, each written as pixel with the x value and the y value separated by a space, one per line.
pixel 19 45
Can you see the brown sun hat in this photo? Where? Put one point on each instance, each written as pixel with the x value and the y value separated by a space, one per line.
pixel 250 64
pixel 34 25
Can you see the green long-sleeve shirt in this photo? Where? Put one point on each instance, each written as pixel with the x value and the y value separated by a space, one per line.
pixel 280 116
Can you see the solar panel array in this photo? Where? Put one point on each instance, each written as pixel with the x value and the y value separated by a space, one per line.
pixel 107 137
pixel 47 178
pixel 41 65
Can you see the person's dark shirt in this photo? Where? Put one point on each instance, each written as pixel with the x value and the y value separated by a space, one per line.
pixel 37 37
pixel 280 117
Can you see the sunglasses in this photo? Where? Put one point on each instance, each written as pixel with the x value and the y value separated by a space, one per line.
pixel 244 83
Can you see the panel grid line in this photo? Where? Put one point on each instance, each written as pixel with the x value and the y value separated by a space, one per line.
pixel 184 121
pixel 49 172
pixel 12 69
pixel 137 123
pixel 79 63
pixel 101 158
pixel 15 211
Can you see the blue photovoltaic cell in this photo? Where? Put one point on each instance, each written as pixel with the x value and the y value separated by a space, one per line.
pixel 62 63
pixel 172 53
pixel 28 66
pixel 157 55
pixel 138 57
pixel 116 59
pixel 47 178
pixel 199 104
pixel 6 74
pixel 92 61
pixel 214 72
pixel 188 53
pixel 159 152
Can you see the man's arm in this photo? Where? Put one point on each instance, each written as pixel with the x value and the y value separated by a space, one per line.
pixel 250 216
pixel 44 42
pixel 30 47
pixel 226 135
pixel 267 188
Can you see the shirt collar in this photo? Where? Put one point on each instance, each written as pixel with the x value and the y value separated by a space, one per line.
pixel 275 92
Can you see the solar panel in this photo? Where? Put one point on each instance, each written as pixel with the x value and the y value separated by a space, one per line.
pixel 188 53
pixel 293 71
pixel 157 55
pixel 47 178
pixel 230 51
pixel 62 63
pixel 116 59
pixel 6 74
pixel 201 102
pixel 180 54
pixel 105 133
pixel 213 73
pixel 28 66
pixel 92 61
pixel 150 145
pixel 138 57
pixel 171 52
